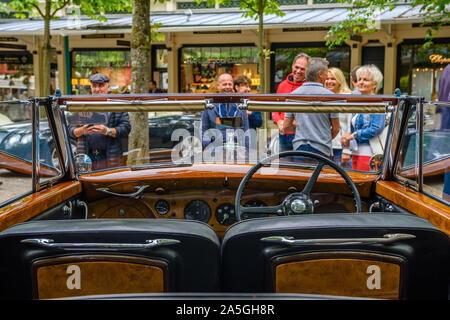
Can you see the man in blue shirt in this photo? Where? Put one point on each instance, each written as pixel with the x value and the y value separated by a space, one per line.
pixel 224 118
pixel 313 131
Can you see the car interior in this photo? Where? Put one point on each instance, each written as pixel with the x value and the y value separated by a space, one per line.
pixel 218 228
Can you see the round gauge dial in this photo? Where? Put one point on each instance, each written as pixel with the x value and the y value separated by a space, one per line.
pixel 225 214
pixel 162 207
pixel 197 210
pixel 253 203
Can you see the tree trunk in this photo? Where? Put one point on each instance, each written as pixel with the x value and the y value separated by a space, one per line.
pixel 46 52
pixel 261 54
pixel 140 57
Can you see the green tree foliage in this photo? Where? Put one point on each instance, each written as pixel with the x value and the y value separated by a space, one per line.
pixel 48 11
pixel 363 18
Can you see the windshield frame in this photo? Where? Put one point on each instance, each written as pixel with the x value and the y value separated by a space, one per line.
pixel 250 102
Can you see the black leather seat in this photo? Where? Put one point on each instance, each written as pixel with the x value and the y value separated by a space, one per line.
pixel 412 266
pixel 91 257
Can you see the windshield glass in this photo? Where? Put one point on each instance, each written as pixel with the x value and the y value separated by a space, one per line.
pixel 223 134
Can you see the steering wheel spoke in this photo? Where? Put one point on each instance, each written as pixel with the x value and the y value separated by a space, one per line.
pixel 312 181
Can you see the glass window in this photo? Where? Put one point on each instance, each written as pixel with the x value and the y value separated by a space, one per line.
pixel 49 160
pixel 15 150
pixel 160 63
pixel 419 68
pixel 201 65
pixel 374 54
pixel 16 75
pixel 436 152
pixel 408 164
pixel 162 58
pixel 116 64
pixel 285 54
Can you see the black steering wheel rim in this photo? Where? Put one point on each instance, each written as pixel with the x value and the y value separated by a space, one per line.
pixel 322 161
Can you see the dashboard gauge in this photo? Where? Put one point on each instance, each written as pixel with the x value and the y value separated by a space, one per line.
pixel 162 207
pixel 197 210
pixel 226 214
pixel 254 203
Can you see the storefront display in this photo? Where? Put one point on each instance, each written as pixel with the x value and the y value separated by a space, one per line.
pixel 160 63
pixel 201 65
pixel 284 54
pixel 116 64
pixel 16 75
pixel 419 68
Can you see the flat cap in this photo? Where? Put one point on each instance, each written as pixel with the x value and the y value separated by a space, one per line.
pixel 99 77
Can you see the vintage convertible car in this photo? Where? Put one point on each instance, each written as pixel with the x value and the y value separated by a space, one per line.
pixel 231 219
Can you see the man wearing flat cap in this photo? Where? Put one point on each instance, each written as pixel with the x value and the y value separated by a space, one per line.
pixel 102 137
pixel 99 83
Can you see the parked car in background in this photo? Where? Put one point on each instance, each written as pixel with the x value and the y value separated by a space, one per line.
pixel 16 138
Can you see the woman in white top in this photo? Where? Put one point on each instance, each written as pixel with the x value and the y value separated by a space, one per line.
pixel 336 82
pixel 365 126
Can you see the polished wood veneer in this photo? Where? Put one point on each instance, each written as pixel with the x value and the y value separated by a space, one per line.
pixel 419 204
pixel 267 178
pixel 214 184
pixel 29 206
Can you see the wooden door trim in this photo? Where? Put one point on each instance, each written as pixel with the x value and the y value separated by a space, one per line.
pixel 419 204
pixel 29 206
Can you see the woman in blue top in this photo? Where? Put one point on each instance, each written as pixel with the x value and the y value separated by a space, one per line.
pixel 365 126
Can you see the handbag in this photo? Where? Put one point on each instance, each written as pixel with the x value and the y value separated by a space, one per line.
pixel 378 142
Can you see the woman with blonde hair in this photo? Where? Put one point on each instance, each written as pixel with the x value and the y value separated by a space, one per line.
pixel 365 126
pixel 336 82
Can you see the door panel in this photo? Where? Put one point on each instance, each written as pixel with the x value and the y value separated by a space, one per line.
pixel 32 205
pixel 419 204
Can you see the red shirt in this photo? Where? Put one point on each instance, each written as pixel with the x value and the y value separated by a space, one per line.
pixel 286 86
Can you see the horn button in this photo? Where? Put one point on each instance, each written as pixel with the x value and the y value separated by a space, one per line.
pixel 297 203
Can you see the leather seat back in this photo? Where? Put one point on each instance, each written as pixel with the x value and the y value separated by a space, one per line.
pixel 57 259
pixel 354 258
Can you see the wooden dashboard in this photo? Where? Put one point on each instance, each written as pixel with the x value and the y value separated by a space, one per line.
pixel 207 192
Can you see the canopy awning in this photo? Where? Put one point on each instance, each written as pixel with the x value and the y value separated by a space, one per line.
pixel 207 20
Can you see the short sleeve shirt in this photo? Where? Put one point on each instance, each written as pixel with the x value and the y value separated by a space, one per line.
pixel 313 128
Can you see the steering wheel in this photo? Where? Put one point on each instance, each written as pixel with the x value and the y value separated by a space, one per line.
pixel 297 202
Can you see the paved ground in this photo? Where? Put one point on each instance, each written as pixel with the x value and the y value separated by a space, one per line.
pixel 13 184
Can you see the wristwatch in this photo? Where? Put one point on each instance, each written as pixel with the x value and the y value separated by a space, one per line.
pixel 108 131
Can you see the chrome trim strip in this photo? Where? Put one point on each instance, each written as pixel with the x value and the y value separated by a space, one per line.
pixel 134 195
pixel 35 174
pixel 290 241
pixel 51 244
pixel 419 123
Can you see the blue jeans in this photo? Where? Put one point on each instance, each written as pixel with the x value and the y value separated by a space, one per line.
pixel 308 148
pixel 286 142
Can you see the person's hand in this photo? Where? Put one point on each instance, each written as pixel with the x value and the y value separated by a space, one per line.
pixel 345 139
pixel 280 125
pixel 345 158
pixel 83 130
pixel 98 128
